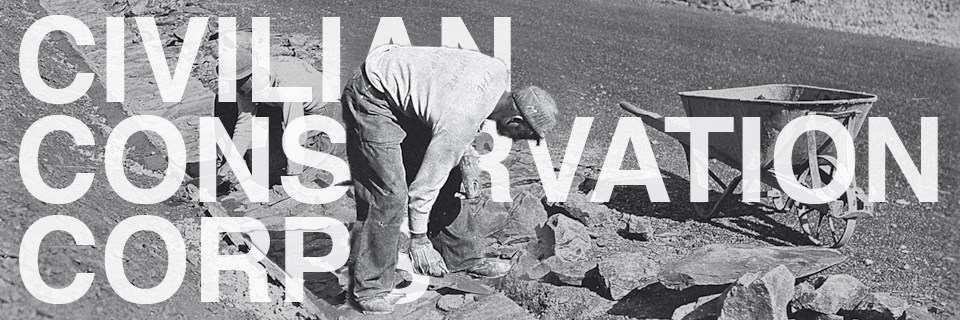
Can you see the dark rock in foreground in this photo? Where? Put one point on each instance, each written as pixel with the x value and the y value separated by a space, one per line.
pixel 571 239
pixel 832 293
pixel 638 228
pixel 878 305
pixel 916 313
pixel 627 271
pixel 706 307
pixel 569 272
pixel 451 302
pixel 756 296
pixel 571 245
pixel 579 207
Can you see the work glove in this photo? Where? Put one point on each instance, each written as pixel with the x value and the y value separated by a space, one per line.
pixel 426 260
pixel 470 174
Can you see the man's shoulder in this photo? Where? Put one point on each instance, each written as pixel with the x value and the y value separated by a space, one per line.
pixel 419 54
pixel 293 71
pixel 290 64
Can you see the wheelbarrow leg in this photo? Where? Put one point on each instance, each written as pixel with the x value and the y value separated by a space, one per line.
pixel 697 207
pixel 728 189
pixel 813 160
pixel 727 192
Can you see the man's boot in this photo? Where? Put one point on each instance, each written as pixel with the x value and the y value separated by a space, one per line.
pixel 379 305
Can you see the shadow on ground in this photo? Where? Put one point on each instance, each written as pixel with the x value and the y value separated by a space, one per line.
pixel 754 220
pixel 657 302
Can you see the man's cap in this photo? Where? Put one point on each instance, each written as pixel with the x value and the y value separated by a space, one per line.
pixel 537 108
pixel 243 55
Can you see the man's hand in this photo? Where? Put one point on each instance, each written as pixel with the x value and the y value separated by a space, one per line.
pixel 426 260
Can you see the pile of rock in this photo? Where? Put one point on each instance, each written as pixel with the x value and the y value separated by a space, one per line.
pixel 842 296
pixel 755 282
pixel 790 290
pixel 563 249
pixel 737 6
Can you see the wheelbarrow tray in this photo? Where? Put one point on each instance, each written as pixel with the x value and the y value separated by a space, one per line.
pixel 776 105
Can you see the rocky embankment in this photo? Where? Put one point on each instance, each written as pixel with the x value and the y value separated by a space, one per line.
pixel 929 21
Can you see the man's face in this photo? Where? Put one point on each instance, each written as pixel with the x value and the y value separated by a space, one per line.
pixel 517 129
pixel 245 87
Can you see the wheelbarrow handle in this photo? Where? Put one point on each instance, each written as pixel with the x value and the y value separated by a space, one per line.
pixel 652 119
pixel 837 114
pixel 637 111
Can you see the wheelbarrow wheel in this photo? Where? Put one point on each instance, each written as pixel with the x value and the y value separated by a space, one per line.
pixel 826 230
pixel 835 227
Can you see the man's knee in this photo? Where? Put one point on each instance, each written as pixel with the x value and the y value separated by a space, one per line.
pixel 388 210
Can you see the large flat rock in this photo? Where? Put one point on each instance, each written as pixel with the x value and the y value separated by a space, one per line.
pixel 493 307
pixel 718 264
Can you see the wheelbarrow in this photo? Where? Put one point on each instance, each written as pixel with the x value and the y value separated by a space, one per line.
pixel 830 224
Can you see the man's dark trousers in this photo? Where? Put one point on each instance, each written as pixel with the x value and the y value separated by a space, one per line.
pixel 385 149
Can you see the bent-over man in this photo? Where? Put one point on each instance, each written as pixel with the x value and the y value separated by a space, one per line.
pixel 410 113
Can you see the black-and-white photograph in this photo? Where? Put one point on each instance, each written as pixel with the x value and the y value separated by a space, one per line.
pixel 505 159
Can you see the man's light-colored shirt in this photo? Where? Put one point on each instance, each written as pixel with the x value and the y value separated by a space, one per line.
pixel 450 90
